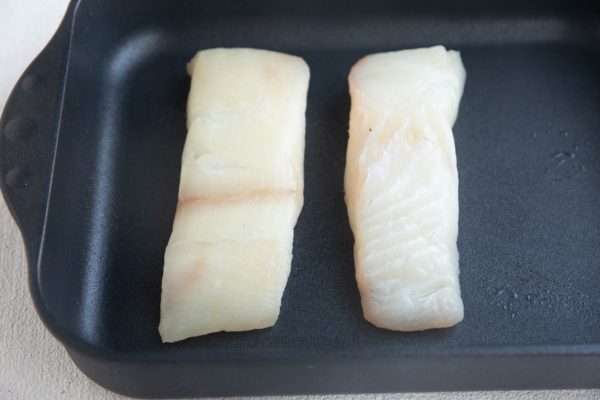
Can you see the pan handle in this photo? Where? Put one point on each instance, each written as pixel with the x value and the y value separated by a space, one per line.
pixel 28 135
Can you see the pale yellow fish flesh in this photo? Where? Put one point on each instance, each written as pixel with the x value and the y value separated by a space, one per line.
pixel 401 187
pixel 240 194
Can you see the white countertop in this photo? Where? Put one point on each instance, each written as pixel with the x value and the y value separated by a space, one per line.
pixel 33 365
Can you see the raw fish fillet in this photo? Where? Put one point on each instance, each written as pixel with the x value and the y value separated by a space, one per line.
pixel 240 194
pixel 401 187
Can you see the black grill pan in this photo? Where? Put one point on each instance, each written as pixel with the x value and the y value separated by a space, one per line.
pixel 90 148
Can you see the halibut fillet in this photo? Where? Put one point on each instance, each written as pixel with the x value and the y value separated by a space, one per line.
pixel 401 187
pixel 241 191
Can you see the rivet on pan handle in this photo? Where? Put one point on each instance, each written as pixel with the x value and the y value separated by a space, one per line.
pixel 28 134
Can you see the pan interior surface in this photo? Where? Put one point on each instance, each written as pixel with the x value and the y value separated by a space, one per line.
pixel 528 148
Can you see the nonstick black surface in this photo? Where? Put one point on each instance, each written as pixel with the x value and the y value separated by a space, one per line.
pixel 528 148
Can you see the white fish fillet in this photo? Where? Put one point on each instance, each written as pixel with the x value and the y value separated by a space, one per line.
pixel 228 258
pixel 401 187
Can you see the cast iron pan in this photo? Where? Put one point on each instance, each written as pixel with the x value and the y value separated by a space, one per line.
pixel 89 163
